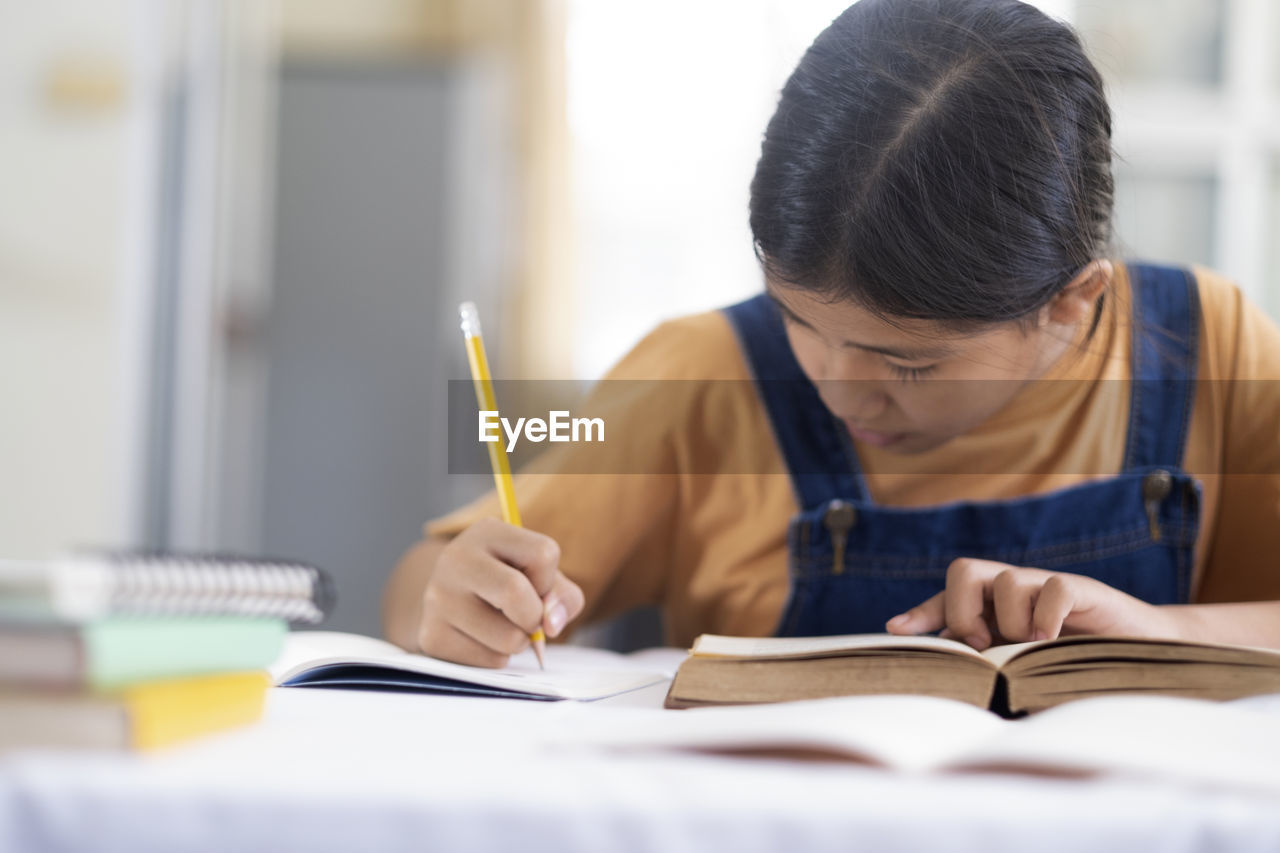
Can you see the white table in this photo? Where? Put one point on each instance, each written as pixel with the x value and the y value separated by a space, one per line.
pixel 347 771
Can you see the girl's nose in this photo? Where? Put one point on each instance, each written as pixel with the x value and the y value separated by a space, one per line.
pixel 861 400
pixel 866 401
pixel 851 388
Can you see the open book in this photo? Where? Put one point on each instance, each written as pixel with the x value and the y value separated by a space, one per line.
pixel 335 659
pixel 1008 679
pixel 1172 739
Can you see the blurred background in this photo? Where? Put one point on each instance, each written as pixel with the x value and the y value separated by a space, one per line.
pixel 234 233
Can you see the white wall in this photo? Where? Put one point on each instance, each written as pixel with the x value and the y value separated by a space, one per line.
pixel 667 106
pixel 64 182
pixel 669 101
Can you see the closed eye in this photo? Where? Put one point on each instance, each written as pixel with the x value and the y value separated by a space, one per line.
pixel 911 374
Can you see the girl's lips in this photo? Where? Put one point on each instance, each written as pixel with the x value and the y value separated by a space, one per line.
pixel 877 439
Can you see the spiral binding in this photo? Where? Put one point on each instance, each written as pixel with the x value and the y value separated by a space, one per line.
pixel 166 583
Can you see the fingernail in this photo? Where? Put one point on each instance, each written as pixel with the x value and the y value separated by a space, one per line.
pixel 557 615
pixel 898 621
pixel 1038 636
pixel 978 641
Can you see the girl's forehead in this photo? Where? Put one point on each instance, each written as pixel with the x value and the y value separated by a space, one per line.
pixel 846 323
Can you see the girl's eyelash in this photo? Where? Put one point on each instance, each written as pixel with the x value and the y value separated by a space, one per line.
pixel 911 374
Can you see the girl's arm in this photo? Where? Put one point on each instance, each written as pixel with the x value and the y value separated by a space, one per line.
pixel 1248 623
pixel 986 602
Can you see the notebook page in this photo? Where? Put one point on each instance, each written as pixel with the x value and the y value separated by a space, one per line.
pixel 571 673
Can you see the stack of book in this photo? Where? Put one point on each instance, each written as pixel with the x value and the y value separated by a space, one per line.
pixel 142 651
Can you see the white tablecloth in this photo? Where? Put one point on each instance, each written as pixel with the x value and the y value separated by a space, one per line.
pixel 347 771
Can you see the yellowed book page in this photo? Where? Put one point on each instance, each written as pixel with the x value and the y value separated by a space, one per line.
pixel 1000 655
pixel 717 645
pixel 1081 647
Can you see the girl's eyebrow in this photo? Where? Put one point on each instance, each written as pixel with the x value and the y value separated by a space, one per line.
pixel 892 352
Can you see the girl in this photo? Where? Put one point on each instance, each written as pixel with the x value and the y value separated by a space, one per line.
pixel 991 429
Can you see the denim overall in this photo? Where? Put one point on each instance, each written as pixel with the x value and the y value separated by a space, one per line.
pixel 854 565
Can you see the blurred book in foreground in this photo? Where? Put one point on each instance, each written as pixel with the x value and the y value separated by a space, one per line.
pixel 143 650
pixel 122 650
pixel 141 716
pixel 1165 738
pixel 83 587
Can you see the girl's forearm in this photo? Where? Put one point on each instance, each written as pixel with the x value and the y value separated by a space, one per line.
pixel 402 596
pixel 1250 623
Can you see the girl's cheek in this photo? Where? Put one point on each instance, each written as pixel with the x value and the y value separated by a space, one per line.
pixel 951 407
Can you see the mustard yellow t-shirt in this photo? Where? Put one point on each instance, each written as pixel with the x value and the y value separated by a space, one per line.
pixel 700 527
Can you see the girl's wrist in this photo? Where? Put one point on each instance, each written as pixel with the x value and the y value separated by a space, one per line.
pixel 1176 622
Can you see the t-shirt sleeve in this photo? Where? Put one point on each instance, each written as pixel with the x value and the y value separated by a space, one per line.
pixel 613 507
pixel 1244 561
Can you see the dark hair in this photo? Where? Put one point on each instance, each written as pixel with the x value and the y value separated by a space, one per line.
pixel 937 159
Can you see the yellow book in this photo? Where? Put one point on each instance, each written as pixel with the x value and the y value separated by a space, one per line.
pixel 141 716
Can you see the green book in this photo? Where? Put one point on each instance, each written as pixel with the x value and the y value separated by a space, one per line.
pixel 123 650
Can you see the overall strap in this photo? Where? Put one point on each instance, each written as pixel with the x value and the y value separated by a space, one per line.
pixel 1166 347
pixel 815 445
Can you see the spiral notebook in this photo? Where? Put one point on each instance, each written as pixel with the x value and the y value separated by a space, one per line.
pixel 87 587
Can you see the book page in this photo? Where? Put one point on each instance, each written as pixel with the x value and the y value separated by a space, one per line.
pixel 1000 655
pixel 1191 740
pixel 905 732
pixel 302 646
pixel 716 645
pixel 572 672
pixel 1219 745
pixel 1138 647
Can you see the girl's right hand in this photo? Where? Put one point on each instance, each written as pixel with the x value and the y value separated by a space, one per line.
pixel 986 602
pixel 491 587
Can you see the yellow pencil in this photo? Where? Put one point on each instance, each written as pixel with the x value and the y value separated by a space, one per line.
pixel 497 453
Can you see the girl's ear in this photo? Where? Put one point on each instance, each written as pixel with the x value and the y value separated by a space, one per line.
pixel 1076 302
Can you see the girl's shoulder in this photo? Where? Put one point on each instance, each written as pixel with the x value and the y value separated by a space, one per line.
pixel 695 347
pixel 1239 339
pixel 1220 296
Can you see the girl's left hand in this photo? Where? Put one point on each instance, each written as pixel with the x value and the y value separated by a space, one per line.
pixel 986 603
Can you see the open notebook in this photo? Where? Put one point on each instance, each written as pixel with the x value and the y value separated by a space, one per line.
pixel 335 659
